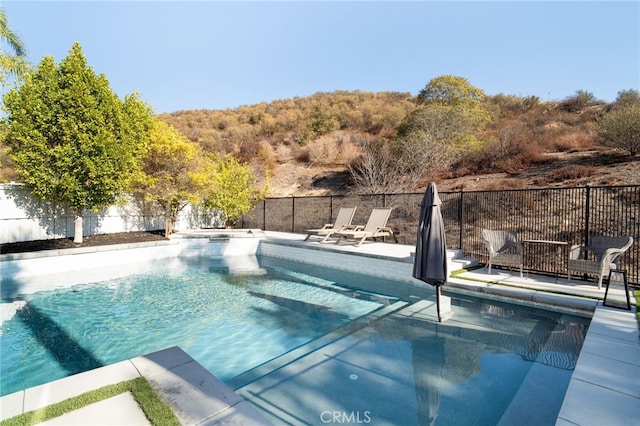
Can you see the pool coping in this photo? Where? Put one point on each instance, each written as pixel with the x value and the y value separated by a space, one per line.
pixel 83 250
pixel 195 395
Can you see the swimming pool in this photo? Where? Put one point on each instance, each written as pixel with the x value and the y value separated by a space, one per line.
pixel 484 364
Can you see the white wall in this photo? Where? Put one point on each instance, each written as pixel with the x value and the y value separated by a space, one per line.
pixel 26 218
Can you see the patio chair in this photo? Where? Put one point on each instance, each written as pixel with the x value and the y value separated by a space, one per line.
pixel 376 227
pixel 504 249
pixel 598 257
pixel 343 221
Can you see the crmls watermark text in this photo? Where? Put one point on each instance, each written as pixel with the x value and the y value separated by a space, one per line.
pixel 350 417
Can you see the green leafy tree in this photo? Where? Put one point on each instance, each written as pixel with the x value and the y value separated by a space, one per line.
pixel 234 190
pixel 450 90
pixel 174 173
pixel 621 128
pixel 13 61
pixel 445 125
pixel 72 139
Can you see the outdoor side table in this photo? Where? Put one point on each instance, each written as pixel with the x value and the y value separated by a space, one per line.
pixel 558 245
pixel 617 283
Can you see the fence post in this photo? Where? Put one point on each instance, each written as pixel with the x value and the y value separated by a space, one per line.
pixel 330 208
pixel 264 214
pixel 293 214
pixel 587 209
pixel 461 218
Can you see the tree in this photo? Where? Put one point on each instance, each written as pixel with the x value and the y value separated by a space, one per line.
pixel 451 113
pixel 174 173
pixel 450 90
pixel 234 190
pixel 375 170
pixel 12 64
pixel 427 141
pixel 621 128
pixel 72 139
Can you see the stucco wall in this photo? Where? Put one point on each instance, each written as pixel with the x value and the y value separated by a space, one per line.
pixel 25 218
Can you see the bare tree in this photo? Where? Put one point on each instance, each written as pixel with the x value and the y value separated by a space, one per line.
pixel 375 170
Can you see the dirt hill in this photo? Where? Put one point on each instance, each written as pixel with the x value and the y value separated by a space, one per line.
pixel 590 167
pixel 305 145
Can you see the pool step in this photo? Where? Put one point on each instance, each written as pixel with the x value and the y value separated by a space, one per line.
pixel 535 392
pixel 262 370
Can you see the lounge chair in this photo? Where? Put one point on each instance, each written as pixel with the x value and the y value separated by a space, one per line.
pixel 376 227
pixel 504 249
pixel 598 257
pixel 343 221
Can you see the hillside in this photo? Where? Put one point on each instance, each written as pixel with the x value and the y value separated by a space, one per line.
pixel 600 166
pixel 305 145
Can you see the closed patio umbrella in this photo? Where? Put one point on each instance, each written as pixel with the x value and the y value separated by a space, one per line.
pixel 430 262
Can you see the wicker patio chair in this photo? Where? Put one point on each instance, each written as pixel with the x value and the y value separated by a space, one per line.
pixel 504 249
pixel 598 257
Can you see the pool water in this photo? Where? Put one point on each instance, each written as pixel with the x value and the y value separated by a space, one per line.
pixel 490 363
pixel 228 323
pixel 487 365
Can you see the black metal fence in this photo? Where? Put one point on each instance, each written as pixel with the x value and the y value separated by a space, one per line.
pixel 558 214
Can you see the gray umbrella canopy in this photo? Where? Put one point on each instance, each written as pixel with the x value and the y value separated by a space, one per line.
pixel 430 262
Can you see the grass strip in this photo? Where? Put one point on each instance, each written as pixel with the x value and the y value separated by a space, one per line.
pixel 455 274
pixel 156 410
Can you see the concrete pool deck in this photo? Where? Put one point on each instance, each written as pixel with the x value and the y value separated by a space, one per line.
pixel 195 395
pixel 604 388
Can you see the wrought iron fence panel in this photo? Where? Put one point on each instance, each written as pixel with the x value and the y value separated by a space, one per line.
pixel 567 215
pixel 615 210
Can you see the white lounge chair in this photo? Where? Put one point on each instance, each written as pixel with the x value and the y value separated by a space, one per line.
pixel 598 257
pixel 504 249
pixel 342 222
pixel 376 227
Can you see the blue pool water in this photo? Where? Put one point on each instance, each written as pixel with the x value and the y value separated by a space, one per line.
pixel 491 363
pixel 228 323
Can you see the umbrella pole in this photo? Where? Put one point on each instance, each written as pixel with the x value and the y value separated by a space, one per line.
pixel 438 302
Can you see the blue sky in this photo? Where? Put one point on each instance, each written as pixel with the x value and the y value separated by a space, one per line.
pixel 215 55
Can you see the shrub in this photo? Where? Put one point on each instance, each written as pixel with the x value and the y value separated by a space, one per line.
pixel 325 150
pixel 302 154
pixel 267 156
pixel 572 141
pixel 505 183
pixel 579 101
pixel 627 98
pixel 574 171
pixel 620 128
